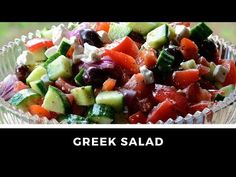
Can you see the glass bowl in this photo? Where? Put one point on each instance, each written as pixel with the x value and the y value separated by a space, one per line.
pixel 222 112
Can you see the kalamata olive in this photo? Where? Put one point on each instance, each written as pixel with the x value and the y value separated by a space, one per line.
pixel 208 50
pixel 94 76
pixel 22 72
pixel 91 37
pixel 175 51
pixel 137 37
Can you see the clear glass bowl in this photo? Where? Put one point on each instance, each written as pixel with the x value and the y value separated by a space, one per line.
pixel 223 112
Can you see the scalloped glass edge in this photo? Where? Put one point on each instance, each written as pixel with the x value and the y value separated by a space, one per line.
pixel 11 115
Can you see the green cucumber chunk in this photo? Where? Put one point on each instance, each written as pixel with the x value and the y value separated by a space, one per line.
pixel 60 67
pixel 79 78
pixel 55 100
pixel 64 46
pixel 72 119
pixel 114 99
pixel 101 114
pixel 84 96
pixel 228 89
pixel 51 59
pixel 118 30
pixel 36 74
pixel 200 32
pixel 39 87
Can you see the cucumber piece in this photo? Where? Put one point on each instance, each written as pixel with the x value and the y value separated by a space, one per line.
pixel 39 55
pixel 72 119
pixel 39 87
pixel 23 98
pixel 219 97
pixel 55 100
pixel 101 114
pixel 118 30
pixel 200 32
pixel 165 61
pixel 79 78
pixel 36 74
pixel 159 37
pixel 83 96
pixel 212 68
pixel 60 67
pixel 143 27
pixel 114 99
pixel 46 80
pixel 227 89
pixel 64 46
pixel 190 64
pixel 51 59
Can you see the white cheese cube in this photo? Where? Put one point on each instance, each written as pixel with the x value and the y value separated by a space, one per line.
pixel 148 75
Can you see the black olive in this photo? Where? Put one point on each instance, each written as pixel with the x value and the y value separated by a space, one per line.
pixel 137 37
pixel 175 51
pixel 208 50
pixel 91 37
pixel 94 76
pixel 22 72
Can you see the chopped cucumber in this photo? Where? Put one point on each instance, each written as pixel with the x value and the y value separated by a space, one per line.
pixel 114 99
pixel 200 32
pixel 228 89
pixel 39 55
pixel 36 74
pixel 190 64
pixel 23 98
pixel 64 46
pixel 165 61
pixel 101 114
pixel 55 100
pixel 60 67
pixel 51 59
pixel 39 87
pixel 220 73
pixel 79 78
pixel 219 97
pixel 72 119
pixel 143 27
pixel 83 96
pixel 118 30
pixel 159 37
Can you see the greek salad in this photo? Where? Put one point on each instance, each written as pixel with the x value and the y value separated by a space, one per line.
pixel 110 72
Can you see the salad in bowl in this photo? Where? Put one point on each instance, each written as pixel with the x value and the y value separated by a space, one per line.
pixel 129 72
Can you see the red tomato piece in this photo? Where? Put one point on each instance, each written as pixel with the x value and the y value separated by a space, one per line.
pixel 36 44
pixel 200 106
pixel 105 26
pixel 124 60
pixel 163 111
pixel 189 49
pixel 136 82
pixel 147 57
pixel 137 117
pixel 231 76
pixel 125 45
pixel 186 77
pixel 162 93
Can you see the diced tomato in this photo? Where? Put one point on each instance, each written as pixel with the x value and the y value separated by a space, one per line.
pixel 200 106
pixel 231 76
pixel 105 26
pixel 124 60
pixel 136 82
pixel 138 117
pixel 125 45
pixel 70 52
pixel 63 85
pixel 163 111
pixel 70 97
pixel 109 84
pixel 39 110
pixel 162 93
pixel 147 57
pixel 19 85
pixel 184 78
pixel 203 70
pixel 189 49
pixel 36 44
pixel 194 93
